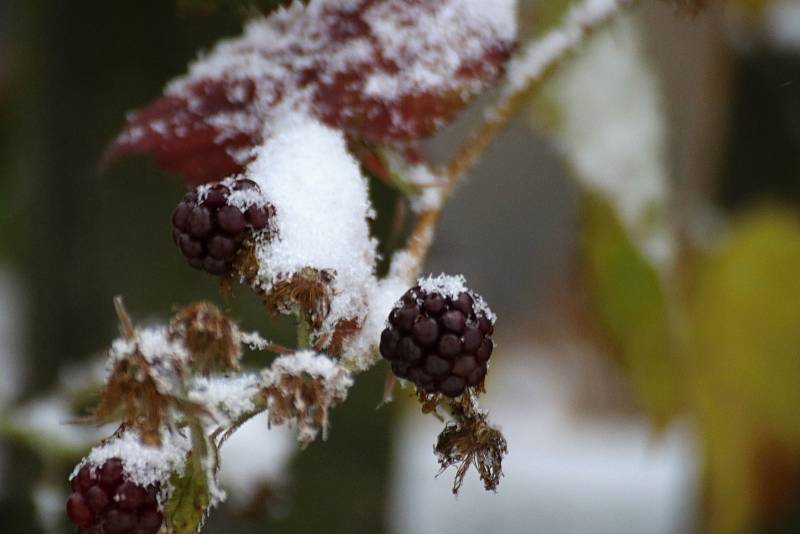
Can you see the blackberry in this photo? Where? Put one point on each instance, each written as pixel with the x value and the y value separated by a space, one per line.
pixel 104 501
pixel 439 337
pixel 210 229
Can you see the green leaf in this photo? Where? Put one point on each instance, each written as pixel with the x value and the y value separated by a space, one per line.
pixel 190 499
pixel 630 301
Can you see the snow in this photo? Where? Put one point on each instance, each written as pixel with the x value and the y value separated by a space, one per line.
pixel 361 351
pixel 451 286
pixel 613 132
pixel 429 50
pixel 321 206
pixel 534 59
pixel 226 398
pixel 166 356
pixel 254 456
pixel 308 362
pixel 143 464
pixel 254 340
pixel 242 198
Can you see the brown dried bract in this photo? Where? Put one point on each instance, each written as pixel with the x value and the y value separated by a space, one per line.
pixel 306 400
pixel 131 395
pixel 307 291
pixel 471 440
pixel 210 337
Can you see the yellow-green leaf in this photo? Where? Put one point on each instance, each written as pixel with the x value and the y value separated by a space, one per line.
pixel 631 303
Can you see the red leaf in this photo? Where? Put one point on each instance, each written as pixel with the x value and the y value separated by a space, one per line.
pixel 387 72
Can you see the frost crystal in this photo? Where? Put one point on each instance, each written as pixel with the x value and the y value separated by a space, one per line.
pixel 321 209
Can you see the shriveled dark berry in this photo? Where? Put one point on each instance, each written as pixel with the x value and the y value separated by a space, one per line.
pixel 406 318
pixel 409 351
pixel 454 320
pixel 434 304
pixel 426 331
pixel 120 522
pixel 436 366
pixel 464 366
pixel 79 511
pixel 209 230
pixel 449 345
pixel 485 350
pixel 439 340
pixel 231 220
pixel 388 346
pixel 104 501
pixel 452 386
pixel 98 498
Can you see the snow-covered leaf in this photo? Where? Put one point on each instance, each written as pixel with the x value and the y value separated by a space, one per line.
pixel 384 71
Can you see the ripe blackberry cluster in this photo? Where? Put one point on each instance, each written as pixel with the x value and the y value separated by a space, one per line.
pixel 440 343
pixel 210 230
pixel 103 501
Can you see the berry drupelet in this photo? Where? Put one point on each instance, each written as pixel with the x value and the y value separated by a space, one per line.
pixel 439 339
pixel 104 501
pixel 210 223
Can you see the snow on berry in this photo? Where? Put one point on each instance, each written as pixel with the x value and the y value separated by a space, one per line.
pixel 384 71
pixel 321 205
pixel 142 464
pixel 438 336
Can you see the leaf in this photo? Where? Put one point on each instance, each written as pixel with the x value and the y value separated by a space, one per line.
pixel 186 508
pixel 630 301
pixel 745 367
pixel 385 71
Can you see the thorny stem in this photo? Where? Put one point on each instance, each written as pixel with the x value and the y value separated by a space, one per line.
pixel 496 119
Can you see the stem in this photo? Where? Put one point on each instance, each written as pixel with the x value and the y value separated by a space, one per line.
pixel 303 332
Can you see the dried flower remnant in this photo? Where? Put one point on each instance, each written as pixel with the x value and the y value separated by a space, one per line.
pixel 301 388
pixel 212 339
pixel 145 372
pixel 470 440
pixel 383 71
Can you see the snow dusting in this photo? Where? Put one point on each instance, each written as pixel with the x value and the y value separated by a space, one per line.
pixel 451 286
pixel 226 398
pixel 165 355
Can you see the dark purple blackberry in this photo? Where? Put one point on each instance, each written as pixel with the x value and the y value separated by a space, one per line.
pixel 103 501
pixel 210 231
pixel 441 342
